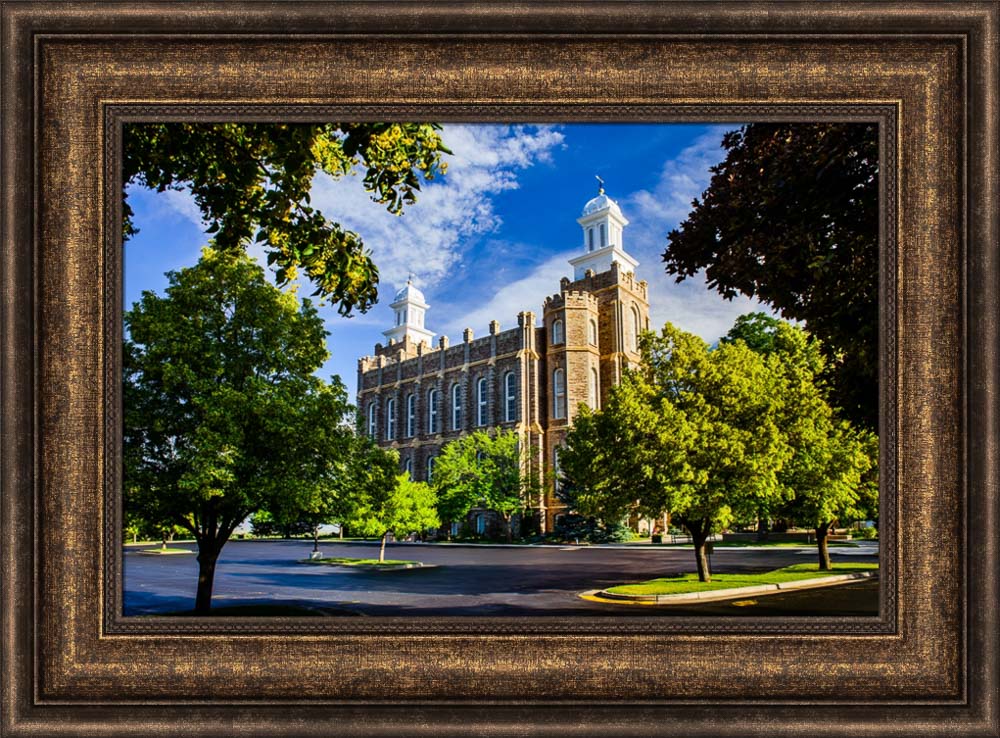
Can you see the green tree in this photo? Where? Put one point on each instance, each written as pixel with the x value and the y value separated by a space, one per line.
pixel 791 218
pixel 626 458
pixel 251 182
pixel 399 506
pixel 829 475
pixel 223 415
pixel 482 469
pixel 695 431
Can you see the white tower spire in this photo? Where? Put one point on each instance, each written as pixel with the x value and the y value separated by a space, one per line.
pixel 408 309
pixel 602 222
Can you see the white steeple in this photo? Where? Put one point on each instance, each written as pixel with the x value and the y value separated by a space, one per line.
pixel 602 222
pixel 408 309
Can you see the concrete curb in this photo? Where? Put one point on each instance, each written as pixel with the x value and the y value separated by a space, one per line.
pixel 727 594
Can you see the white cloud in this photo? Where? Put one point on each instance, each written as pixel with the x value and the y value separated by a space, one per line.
pixel 430 237
pixel 526 293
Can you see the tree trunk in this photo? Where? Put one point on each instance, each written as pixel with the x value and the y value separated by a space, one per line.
pixel 163 540
pixel 208 555
pixel 762 525
pixel 315 538
pixel 821 544
pixel 506 522
pixel 699 536
pixel 381 550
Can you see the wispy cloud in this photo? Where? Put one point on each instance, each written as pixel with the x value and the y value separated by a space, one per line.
pixel 429 239
pixel 526 293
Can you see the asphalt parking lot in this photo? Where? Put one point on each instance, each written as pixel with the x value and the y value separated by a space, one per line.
pixel 471 579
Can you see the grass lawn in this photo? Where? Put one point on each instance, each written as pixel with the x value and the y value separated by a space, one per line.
pixel 686 583
pixel 343 561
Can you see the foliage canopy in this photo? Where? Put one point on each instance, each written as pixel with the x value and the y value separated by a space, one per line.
pixel 251 182
pixel 791 218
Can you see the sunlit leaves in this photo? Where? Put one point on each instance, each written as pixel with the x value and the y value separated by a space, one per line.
pixel 251 182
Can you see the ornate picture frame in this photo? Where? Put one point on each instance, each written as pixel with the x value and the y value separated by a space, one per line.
pixel 74 73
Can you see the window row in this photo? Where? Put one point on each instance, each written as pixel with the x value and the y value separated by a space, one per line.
pixel 408 467
pixel 433 403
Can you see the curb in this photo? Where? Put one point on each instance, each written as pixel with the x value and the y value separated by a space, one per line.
pixel 726 594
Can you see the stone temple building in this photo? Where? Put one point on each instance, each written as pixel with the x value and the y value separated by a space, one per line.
pixel 417 394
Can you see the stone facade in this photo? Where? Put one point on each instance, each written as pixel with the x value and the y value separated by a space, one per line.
pixel 530 379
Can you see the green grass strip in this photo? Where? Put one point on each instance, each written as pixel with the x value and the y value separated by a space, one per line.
pixel 686 583
pixel 341 561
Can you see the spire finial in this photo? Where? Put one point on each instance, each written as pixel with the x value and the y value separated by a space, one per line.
pixel 600 186
pixel 409 279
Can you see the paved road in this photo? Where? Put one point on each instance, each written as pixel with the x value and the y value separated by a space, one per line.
pixel 468 580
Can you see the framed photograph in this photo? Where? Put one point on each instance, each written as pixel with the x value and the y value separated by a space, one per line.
pixel 622 368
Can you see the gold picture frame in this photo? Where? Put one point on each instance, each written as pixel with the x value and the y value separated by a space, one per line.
pixel 74 73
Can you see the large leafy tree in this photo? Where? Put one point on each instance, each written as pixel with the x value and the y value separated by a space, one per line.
pixel 694 432
pixel 251 182
pixel 833 465
pixel 482 469
pixel 223 414
pixel 791 218
pixel 399 505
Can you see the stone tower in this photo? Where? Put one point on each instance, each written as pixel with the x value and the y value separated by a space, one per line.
pixel 591 327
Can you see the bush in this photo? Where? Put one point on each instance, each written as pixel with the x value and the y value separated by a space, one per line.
pixel 866 534
pixel 579 528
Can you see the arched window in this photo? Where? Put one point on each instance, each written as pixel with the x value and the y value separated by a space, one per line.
pixel 595 389
pixel 557 332
pixel 408 467
pixel 510 397
pixel 558 394
pixel 604 235
pixel 430 468
pixel 371 419
pixel 456 406
pixel 635 329
pixel 592 334
pixel 481 401
pixel 390 420
pixel 432 411
pixel 411 415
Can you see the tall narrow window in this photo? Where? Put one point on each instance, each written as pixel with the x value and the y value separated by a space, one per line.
pixel 371 419
pixel 430 468
pixel 481 401
pixel 558 394
pixel 411 415
pixel 408 468
pixel 590 239
pixel 432 411
pixel 595 389
pixel 390 420
pixel 510 397
pixel 592 334
pixel 635 329
pixel 557 332
pixel 456 406
pixel 556 470
pixel 604 235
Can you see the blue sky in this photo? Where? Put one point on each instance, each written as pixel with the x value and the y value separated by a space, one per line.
pixel 491 237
